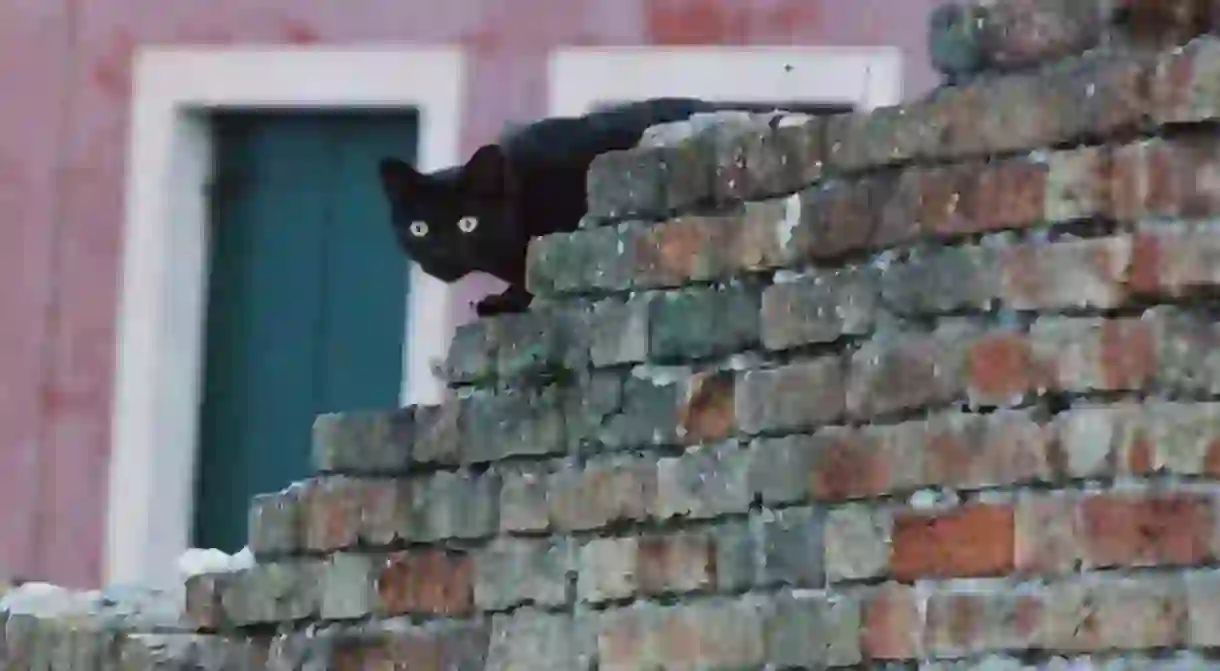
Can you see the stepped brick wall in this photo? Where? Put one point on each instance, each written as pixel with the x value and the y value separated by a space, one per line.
pixel 932 387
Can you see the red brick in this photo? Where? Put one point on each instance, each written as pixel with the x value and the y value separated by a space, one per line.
pixel 1021 33
pixel 682 250
pixel 1168 178
pixel 891 624
pixel 1083 354
pixel 973 451
pixel 429 582
pixel 203 600
pixel 754 235
pixel 838 218
pixel 708 412
pixel 1010 194
pixel 675 563
pixel 850 464
pixel 906 371
pixel 1176 260
pixel 332 513
pixel 973 541
pixel 1161 23
pixel 1074 274
pixel 1002 369
pixel 1147 529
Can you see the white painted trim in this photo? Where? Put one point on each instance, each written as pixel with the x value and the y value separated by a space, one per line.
pixel 163 291
pixel 867 77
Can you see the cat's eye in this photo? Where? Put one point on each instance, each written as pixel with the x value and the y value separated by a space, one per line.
pixel 419 228
pixel 468 224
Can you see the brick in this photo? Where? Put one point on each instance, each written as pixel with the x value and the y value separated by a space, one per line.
pixel 791 549
pixel 471 358
pixel 606 570
pixel 717 633
pixel 895 372
pixel 1089 354
pixel 648 415
pixel 857 542
pixel 512 572
pixel 966 451
pixel 541 342
pixel 425 582
pixel 757 233
pixel 737 554
pixel 513 423
pixel 704 322
pixel 707 482
pixel 1184 88
pixel 850 464
pixel 819 308
pixel 938 200
pixel 1175 259
pixel 1167 178
pixel 364 442
pixel 1187 353
pixel 975 540
pixel 618 488
pixel 675 563
pixel 1097 441
pixel 1067 275
pixel 1027 32
pixel 686 249
pixel 809 631
pixel 589 402
pixel 332 507
pixel 275 523
pixel 966 623
pixel 1047 534
pixel 523 498
pixel 891 624
pixel 576 262
pixel 1002 368
pixel 273 593
pixel 530 639
pixel 1203 605
pixel 1009 195
pixel 438 432
pixel 941 280
pixel 836 218
pixel 1145 23
pixel 1177 438
pixel 619 331
pixel 1147 530
pixel 1114 614
pixel 955 44
pixel 707 412
pixel 627 183
pixel 881 137
pixel 349 586
pixel 203 603
pixel 781 469
pixel 734 177
pixel 785 156
pixel 455 505
pixel 1078 184
pixel 790 398
pixel 431 646
pixel 386 513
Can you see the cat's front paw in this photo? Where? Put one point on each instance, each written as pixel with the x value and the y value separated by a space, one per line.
pixel 505 303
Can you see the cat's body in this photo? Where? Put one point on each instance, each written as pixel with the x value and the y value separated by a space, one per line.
pixel 480 216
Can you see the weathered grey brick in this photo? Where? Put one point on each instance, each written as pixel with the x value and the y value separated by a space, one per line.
pixel 274 593
pixel 942 280
pixel 606 569
pixel 788 155
pixel 611 489
pixel 792 547
pixel 627 183
pixel 514 422
pixel 649 415
pixel 706 482
pixel 348 586
pixel 717 633
pixel 857 542
pixel 703 322
pixel 364 441
pixel 1187 355
pixel 515 571
pixel 790 398
pixel 819 308
pixel 650 565
pixel 438 432
pixel 276 523
pixel 472 352
pixel 589 405
pixel 780 468
pixel 901 371
pixel 523 497
pixel 812 631
pixel 738 554
pixel 999 621
pixel 386 512
pixel 619 331
pixel 456 505
pixel 543 340
pixel 530 639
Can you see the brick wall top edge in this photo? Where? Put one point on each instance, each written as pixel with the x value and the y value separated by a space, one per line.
pixel 966 39
pixel 1086 99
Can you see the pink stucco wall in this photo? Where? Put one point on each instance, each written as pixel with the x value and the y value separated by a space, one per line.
pixel 65 79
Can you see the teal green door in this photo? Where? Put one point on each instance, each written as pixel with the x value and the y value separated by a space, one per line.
pixel 306 304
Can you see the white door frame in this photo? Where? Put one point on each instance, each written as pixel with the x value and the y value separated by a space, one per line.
pixel 163 289
pixel 866 77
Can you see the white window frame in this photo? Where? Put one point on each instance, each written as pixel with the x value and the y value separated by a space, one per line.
pixel 866 77
pixel 160 343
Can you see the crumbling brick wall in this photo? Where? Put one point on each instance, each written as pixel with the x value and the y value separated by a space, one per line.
pixel 933 386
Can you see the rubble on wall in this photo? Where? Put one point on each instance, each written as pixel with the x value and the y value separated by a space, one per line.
pixel 932 386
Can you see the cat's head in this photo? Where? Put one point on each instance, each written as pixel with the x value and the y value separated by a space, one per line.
pixel 453 221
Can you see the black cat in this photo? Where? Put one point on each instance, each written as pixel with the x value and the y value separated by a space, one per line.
pixel 480 216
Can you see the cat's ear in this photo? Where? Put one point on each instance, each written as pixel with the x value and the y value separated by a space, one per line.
pixel 485 172
pixel 397 176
